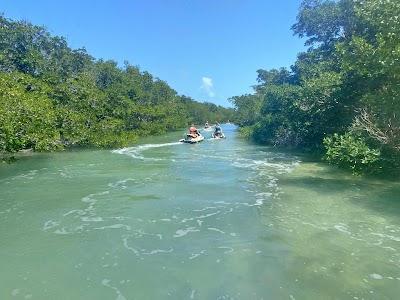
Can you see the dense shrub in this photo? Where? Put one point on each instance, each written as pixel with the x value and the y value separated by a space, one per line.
pixel 352 153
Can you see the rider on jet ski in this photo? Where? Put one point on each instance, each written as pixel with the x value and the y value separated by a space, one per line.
pixel 193 132
pixel 217 130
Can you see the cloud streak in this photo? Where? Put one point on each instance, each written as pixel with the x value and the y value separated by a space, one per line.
pixel 207 86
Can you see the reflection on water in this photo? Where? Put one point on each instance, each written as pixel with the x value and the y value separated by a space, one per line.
pixel 223 219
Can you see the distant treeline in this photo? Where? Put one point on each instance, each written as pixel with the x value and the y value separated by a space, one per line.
pixel 52 96
pixel 341 98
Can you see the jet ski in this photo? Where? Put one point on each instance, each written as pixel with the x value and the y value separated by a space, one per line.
pixel 218 136
pixel 192 140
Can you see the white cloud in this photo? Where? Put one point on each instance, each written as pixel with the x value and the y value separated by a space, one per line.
pixel 207 86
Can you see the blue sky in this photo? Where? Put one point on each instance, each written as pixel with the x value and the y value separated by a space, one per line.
pixel 209 50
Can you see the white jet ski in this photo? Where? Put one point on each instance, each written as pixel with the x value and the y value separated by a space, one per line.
pixel 218 136
pixel 191 140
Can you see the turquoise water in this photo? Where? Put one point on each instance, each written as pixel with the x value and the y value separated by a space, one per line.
pixel 224 219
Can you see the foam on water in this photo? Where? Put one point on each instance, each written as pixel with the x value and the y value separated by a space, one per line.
pixel 342 228
pixel 50 224
pixel 121 184
pixel 227 249
pixel 195 255
pixel 182 232
pixel 29 175
pixel 68 223
pixel 62 231
pixel 107 283
pixel 388 236
pixel 92 219
pixel 157 251
pixel 260 165
pixel 216 230
pixel 126 245
pixel 114 226
pixel 136 151
pixel 200 217
pixel 376 276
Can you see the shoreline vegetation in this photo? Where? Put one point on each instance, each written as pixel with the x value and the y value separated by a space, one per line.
pixel 341 97
pixel 53 97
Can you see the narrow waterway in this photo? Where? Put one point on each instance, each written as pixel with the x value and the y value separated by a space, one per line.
pixel 223 219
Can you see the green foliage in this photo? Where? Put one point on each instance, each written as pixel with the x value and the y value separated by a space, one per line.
pixel 346 86
pixel 320 21
pixel 351 152
pixel 246 132
pixel 247 109
pixel 198 113
pixel 110 133
pixel 276 124
pixel 27 117
pixel 52 96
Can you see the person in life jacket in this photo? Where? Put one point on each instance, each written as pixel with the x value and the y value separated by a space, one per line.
pixel 217 130
pixel 206 125
pixel 193 132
